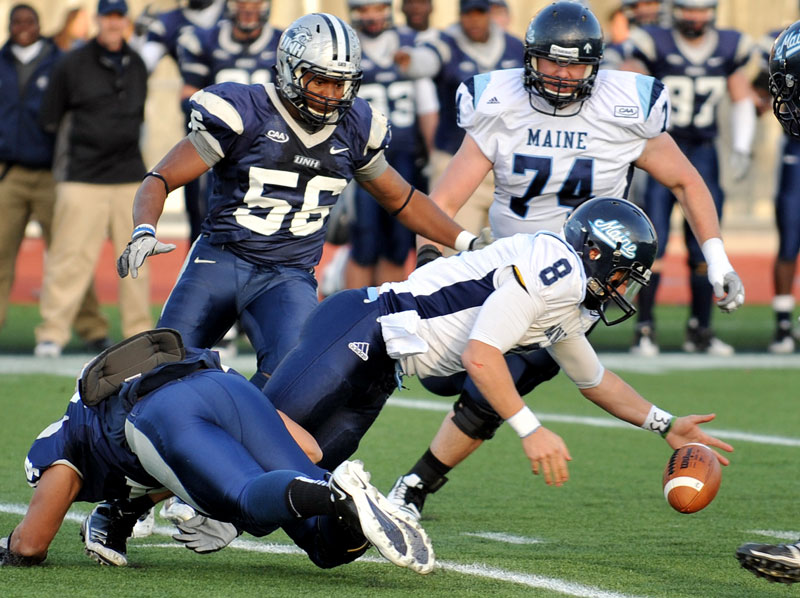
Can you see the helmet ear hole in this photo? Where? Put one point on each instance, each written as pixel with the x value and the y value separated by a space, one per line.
pixel 594 254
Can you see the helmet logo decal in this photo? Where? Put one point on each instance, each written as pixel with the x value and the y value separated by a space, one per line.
pixel 561 52
pixel 587 48
pixel 790 45
pixel 612 232
pixel 295 41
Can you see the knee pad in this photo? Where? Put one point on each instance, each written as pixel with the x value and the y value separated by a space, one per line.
pixel 476 421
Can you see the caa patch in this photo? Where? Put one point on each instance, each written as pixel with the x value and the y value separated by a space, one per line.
pixel 626 111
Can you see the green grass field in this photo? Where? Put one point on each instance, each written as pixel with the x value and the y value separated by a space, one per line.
pixel 497 529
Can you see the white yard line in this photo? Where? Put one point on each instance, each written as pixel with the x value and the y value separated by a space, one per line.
pixel 554 584
pixel 504 538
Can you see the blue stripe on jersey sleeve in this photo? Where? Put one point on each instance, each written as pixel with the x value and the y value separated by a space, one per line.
pixel 481 83
pixel 649 90
pixel 453 298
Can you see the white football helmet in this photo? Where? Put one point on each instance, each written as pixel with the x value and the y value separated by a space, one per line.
pixel 325 46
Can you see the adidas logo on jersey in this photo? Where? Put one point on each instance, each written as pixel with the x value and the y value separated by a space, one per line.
pixel 493 100
pixel 360 349
pixel 278 136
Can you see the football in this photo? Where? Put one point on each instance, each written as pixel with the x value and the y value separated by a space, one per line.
pixel 691 478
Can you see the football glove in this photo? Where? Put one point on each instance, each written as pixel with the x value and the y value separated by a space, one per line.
pixel 140 247
pixel 484 239
pixel 204 535
pixel 427 253
pixel 739 163
pixel 732 285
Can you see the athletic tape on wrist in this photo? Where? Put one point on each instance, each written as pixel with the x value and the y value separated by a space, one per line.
pixel 524 422
pixel 464 241
pixel 658 421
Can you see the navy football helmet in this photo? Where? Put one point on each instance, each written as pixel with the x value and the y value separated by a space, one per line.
pixel 784 79
pixel 321 45
pixel 617 244
pixel 693 28
pixel 565 33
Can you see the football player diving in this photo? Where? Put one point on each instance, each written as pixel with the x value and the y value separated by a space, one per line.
pixel 780 562
pixel 151 417
pixel 555 133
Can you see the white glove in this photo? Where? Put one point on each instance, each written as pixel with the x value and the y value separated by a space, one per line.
pixel 143 243
pixel 484 239
pixel 739 163
pixel 204 535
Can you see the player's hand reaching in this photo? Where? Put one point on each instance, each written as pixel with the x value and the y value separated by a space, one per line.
pixel 548 454
pixel 687 429
pixel 143 243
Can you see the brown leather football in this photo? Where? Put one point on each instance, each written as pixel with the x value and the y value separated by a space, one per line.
pixel 691 478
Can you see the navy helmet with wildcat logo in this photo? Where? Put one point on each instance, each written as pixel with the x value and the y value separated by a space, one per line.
pixel 784 79
pixel 617 244
pixel 321 45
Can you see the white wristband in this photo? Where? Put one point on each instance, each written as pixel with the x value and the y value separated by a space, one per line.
pixel 143 229
pixel 464 240
pixel 658 421
pixel 714 254
pixel 524 422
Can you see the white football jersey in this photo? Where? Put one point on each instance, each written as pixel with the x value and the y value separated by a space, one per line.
pixel 521 293
pixel 545 165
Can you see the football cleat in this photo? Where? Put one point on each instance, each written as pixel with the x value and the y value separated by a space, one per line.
pixel 409 494
pixel 702 340
pixel 784 342
pixel 398 537
pixel 775 562
pixel 105 533
pixel 176 511
pixel 144 525
pixel 644 341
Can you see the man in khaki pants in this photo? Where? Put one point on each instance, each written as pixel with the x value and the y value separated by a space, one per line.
pixel 27 190
pixel 95 101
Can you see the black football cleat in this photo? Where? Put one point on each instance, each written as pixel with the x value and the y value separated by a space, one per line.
pixel 105 533
pixel 775 562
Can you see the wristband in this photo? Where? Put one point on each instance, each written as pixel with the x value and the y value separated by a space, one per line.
pixel 143 229
pixel 160 176
pixel 658 421
pixel 524 422
pixel 464 241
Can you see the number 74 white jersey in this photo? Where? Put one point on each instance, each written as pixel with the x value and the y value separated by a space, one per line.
pixel 546 165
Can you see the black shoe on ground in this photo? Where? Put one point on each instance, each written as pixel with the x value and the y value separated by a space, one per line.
pixel 105 533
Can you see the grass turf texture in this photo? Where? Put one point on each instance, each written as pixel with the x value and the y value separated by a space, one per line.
pixel 748 329
pixel 609 528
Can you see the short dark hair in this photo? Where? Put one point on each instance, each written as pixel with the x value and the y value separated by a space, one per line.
pixel 22 6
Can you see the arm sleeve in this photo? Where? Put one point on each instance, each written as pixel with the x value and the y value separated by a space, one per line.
pixel 580 363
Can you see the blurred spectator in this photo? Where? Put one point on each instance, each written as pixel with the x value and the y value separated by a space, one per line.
pixel 27 190
pixel 699 64
pixel 157 35
pixel 473 45
pixel 74 31
pixel 95 102
pixel 500 14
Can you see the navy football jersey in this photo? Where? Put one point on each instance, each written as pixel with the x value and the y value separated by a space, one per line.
pixel 461 59
pixel 168 26
pixel 386 89
pixel 77 440
pixel 207 56
pixel 696 77
pixel 275 183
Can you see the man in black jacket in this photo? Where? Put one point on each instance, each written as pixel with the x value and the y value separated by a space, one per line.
pixel 95 103
pixel 27 190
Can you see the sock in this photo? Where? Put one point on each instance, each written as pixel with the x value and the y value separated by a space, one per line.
pixel 783 306
pixel 431 471
pixel 306 497
pixel 647 298
pixel 702 297
pixel 137 506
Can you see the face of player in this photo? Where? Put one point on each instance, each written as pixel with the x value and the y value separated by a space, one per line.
pixel 569 71
pixel 647 13
pixel 475 24
pixel 373 18
pixel 417 13
pixel 248 17
pixel 696 19
pixel 111 30
pixel 23 27
pixel 325 88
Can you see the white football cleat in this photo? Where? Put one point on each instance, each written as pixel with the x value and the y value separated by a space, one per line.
pixel 144 525
pixel 176 511
pixel 397 536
